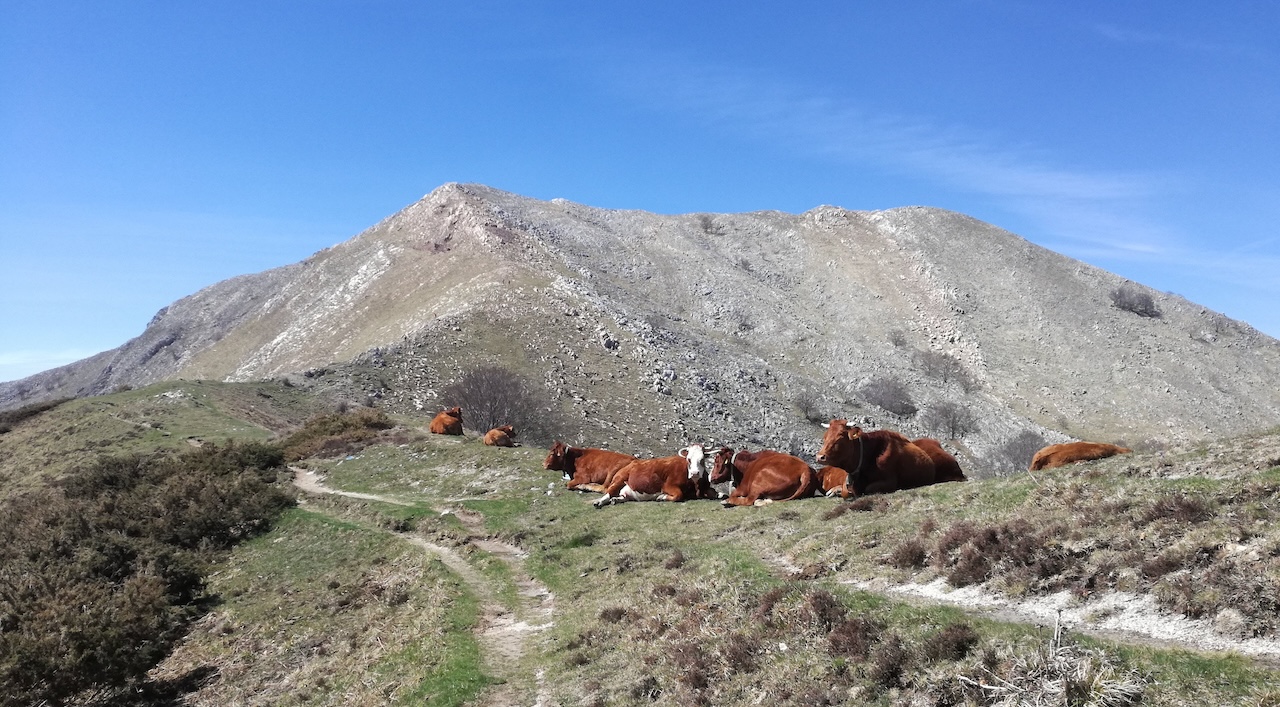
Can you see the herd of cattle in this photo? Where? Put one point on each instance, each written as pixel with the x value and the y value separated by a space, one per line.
pixel 857 462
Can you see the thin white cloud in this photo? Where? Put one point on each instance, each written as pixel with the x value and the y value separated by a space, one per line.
pixel 1121 35
pixel 1093 208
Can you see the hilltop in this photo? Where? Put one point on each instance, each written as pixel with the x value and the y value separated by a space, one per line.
pixel 644 330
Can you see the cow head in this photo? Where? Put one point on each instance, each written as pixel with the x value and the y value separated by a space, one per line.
pixel 837 440
pixel 555 458
pixel 454 412
pixel 695 456
pixel 721 470
pixel 511 431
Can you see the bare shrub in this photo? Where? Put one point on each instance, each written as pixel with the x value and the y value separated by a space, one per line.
pixel 1178 507
pixel 950 419
pixel 854 638
pixel 807 404
pixel 491 396
pixel 909 554
pixel 823 610
pixel 1016 454
pixel 898 338
pixel 889 662
pixel 1131 299
pixel 951 643
pixel 946 368
pixel 889 394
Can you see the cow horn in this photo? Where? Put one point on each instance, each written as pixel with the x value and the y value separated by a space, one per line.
pixel 826 425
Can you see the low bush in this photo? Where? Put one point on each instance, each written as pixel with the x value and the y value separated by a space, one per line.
pixel 889 394
pixel 1131 299
pixel 336 434
pixel 100 576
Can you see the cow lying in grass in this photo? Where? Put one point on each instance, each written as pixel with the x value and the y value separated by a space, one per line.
pixel 447 422
pixel 585 468
pixel 674 478
pixel 884 461
pixel 503 436
pixel 763 477
pixel 1056 455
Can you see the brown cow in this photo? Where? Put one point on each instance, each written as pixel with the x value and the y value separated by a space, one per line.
pixel 1069 452
pixel 879 461
pixel 763 477
pixel 447 422
pixel 674 478
pixel 833 480
pixel 502 436
pixel 945 466
pixel 585 468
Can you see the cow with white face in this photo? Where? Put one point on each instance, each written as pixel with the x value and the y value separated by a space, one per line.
pixel 674 478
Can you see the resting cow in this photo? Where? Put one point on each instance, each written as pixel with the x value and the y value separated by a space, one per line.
pixel 675 478
pixel 585 468
pixel 945 466
pixel 879 461
pixel 447 422
pixel 503 436
pixel 763 477
pixel 1070 452
pixel 833 480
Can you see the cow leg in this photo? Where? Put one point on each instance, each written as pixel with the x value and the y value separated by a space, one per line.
pixel 613 493
pixel 762 501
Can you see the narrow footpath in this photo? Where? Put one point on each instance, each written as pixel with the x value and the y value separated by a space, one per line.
pixel 504 634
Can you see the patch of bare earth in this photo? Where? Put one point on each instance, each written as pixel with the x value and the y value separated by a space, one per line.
pixel 503 633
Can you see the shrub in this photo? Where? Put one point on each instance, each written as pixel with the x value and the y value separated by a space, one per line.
pixel 910 554
pixel 951 643
pixel 100 577
pixel 492 395
pixel 890 395
pixel 950 419
pixel 1016 454
pixel 854 638
pixel 1132 299
pixel 946 368
pixel 336 434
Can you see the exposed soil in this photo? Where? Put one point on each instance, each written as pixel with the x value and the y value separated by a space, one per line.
pixel 504 634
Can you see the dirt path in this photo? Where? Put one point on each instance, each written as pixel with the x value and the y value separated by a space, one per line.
pixel 504 634
pixel 1116 616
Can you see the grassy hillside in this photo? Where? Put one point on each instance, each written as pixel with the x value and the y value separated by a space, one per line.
pixel 793 603
pixel 166 416
pixel 945 595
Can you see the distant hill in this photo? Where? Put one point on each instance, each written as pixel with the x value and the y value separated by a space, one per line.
pixel 647 330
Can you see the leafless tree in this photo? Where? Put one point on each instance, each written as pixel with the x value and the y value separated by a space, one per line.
pixel 889 394
pixel 951 419
pixel 492 395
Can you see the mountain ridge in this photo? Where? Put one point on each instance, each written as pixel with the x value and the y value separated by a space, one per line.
pixel 644 328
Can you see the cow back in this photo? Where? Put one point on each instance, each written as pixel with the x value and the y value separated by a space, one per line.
pixel 892 462
pixel 586 465
pixel 945 466
pixel 1056 455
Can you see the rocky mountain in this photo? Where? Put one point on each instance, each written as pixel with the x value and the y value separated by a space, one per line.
pixel 645 330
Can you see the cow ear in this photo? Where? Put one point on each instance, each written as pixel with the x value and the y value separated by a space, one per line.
pixel 684 453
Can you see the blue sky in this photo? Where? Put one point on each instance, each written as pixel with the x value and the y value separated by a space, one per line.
pixel 149 149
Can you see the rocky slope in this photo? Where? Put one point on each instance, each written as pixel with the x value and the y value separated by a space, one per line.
pixel 647 330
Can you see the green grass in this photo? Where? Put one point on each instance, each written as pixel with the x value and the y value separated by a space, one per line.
pixel 156 418
pixel 329 611
pixel 686 601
